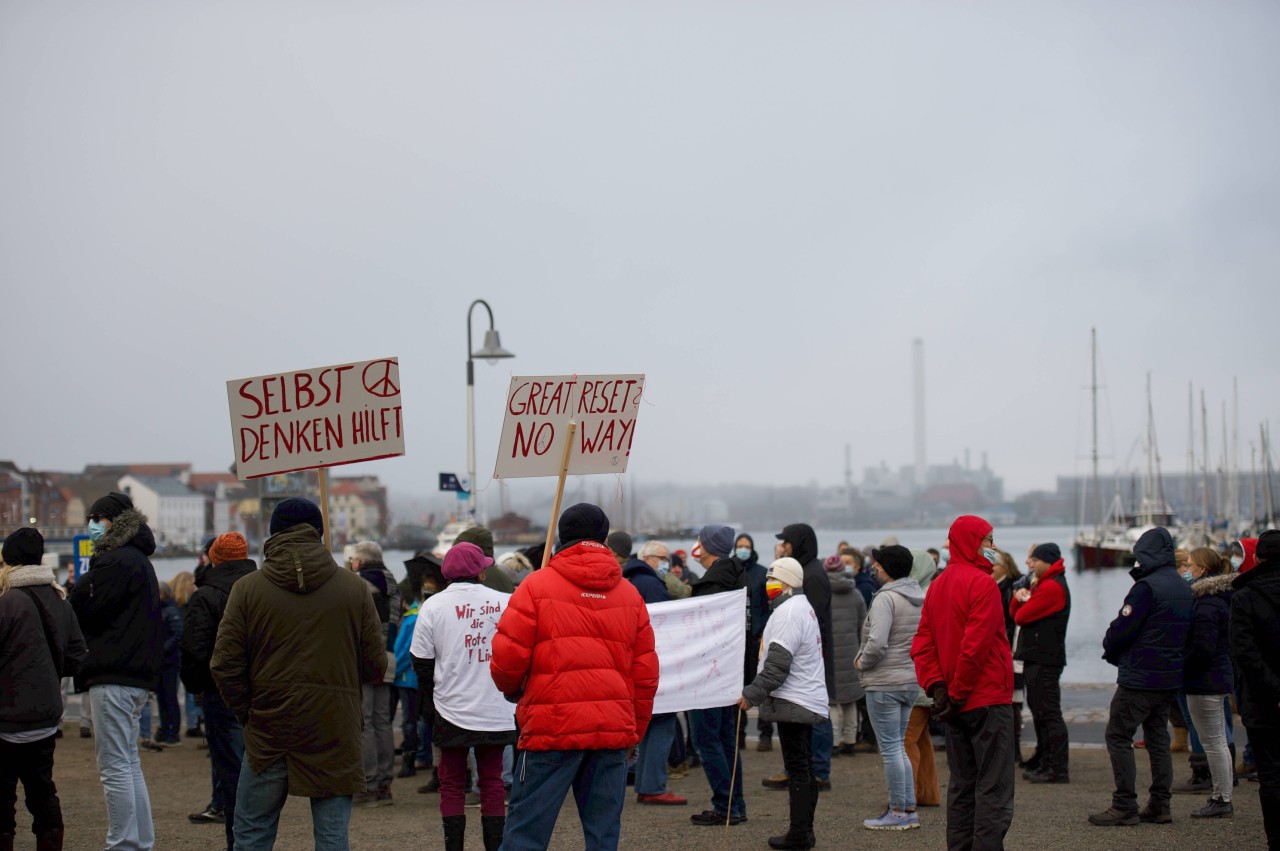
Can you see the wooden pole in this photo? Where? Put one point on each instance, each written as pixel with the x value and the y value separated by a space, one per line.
pixel 555 506
pixel 324 505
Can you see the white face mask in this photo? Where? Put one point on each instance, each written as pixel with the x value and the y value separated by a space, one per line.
pixel 990 555
pixel 1236 561
pixel 664 567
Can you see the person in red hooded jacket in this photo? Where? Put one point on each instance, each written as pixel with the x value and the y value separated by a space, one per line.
pixel 576 651
pixel 1243 555
pixel 964 663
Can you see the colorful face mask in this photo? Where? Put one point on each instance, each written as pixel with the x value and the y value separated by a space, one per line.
pixel 773 588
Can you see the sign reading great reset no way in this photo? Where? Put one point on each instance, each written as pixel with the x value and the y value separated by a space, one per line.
pixel 539 409
pixel 317 417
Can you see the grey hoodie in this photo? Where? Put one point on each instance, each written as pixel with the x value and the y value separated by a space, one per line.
pixel 891 624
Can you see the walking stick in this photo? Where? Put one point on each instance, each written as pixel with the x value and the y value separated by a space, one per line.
pixel 733 774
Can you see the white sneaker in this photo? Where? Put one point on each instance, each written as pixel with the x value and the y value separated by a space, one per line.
pixel 893 821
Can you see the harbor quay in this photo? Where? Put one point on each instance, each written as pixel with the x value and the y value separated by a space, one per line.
pixel 1045 816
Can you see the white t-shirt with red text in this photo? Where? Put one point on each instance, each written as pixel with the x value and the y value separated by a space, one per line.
pixel 456 627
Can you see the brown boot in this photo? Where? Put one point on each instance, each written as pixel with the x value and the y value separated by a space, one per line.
pixel 1179 740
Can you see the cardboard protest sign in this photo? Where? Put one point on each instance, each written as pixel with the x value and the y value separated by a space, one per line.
pixel 539 409
pixel 317 417
pixel 702 645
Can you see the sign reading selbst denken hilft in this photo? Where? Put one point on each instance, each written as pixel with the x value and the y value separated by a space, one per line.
pixel 539 409
pixel 317 417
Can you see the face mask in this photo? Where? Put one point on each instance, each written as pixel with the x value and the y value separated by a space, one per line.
pixel 664 567
pixel 96 530
pixel 1187 576
pixel 773 589
pixel 990 554
pixel 1236 561
pixel 743 553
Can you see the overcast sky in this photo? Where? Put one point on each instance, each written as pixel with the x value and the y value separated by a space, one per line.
pixel 759 205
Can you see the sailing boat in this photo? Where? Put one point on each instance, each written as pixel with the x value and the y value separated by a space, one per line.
pixel 1110 543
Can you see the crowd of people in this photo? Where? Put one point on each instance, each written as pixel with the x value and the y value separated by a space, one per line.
pixel 532 682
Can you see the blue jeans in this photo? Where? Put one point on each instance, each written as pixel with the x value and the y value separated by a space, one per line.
pixel 116 712
pixel 890 711
pixel 195 713
pixel 260 799
pixel 824 739
pixel 714 736
pixel 599 783
pixel 651 755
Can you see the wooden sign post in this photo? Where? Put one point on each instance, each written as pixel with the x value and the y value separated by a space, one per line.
pixel 555 505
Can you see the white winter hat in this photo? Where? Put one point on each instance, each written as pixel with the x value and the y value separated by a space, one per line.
pixel 787 571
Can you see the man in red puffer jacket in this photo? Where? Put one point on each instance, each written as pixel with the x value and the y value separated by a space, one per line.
pixel 963 661
pixel 575 649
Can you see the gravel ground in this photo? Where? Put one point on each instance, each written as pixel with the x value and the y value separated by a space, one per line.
pixel 1046 817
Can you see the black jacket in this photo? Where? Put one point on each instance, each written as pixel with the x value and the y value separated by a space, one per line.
pixel 817 588
pixel 204 613
pixel 1207 669
pixel 118 605
pixel 31 694
pixel 1148 639
pixel 1044 642
pixel 171 623
pixel 651 587
pixel 1255 623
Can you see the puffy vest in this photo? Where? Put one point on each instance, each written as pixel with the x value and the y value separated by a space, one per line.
pixel 1154 662
pixel 1044 642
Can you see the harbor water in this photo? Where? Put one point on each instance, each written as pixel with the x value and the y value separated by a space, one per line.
pixel 1096 595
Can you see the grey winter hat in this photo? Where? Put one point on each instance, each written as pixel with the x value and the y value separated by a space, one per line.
pixel 717 540
pixel 619 543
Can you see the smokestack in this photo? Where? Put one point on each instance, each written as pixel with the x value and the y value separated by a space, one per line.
pixel 917 348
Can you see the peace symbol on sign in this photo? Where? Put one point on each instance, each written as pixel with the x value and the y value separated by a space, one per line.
pixel 377 378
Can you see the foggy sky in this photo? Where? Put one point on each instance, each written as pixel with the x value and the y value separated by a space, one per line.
pixel 759 205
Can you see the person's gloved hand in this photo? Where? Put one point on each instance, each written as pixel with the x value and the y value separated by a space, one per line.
pixel 944 707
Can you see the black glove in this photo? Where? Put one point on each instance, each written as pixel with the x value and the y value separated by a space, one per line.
pixel 944 707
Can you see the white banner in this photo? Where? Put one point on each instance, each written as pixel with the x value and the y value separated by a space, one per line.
pixel 539 408
pixel 702 645
pixel 318 417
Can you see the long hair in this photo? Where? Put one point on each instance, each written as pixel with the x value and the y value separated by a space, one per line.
pixel 1211 560
pixel 1006 567
pixel 4 577
pixel 183 586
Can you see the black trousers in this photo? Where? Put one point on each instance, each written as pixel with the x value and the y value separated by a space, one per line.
pixel 980 791
pixel 797 750
pixel 31 763
pixel 1266 755
pixel 1044 697
pixel 1130 709
pixel 226 752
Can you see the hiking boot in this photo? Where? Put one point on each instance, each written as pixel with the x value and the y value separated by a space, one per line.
pixel 432 786
pixel 407 769
pixel 1216 808
pixel 382 798
pixel 1152 814
pixel 1198 782
pixel 846 750
pixel 765 744
pixel 777 781
pixel 1046 777
pixel 364 799
pixel 1111 817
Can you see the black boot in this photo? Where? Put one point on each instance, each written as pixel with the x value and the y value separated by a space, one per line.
pixel 1235 779
pixel 51 840
pixel 1201 780
pixel 455 830
pixel 433 785
pixel 815 787
pixel 803 793
pixel 493 827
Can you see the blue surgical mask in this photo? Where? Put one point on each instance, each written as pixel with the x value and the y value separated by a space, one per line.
pixel 990 554
pixel 96 530
pixel 743 553
pixel 664 567
pixel 1187 576
pixel 1236 561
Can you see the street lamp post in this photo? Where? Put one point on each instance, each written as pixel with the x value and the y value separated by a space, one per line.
pixel 491 351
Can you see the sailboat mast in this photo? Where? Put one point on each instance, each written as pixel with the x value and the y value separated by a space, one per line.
pixel 1268 497
pixel 1253 485
pixel 1093 389
pixel 1204 461
pixel 1149 482
pixel 1189 490
pixel 1233 460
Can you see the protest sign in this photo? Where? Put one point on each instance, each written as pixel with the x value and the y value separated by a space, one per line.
pixel 701 644
pixel 539 410
pixel 317 417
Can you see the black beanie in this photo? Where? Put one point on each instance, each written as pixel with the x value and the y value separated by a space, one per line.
pixel 24 546
pixel 895 559
pixel 112 505
pixel 582 522
pixel 293 511
pixel 1047 553
pixel 1268 548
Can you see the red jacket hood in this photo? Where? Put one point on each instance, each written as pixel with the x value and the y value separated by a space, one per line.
pixel 1249 563
pixel 589 565
pixel 966 541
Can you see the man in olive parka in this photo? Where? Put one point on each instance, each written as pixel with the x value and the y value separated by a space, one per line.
pixel 298 639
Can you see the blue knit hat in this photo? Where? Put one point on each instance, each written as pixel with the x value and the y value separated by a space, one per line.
pixel 293 511
pixel 717 540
